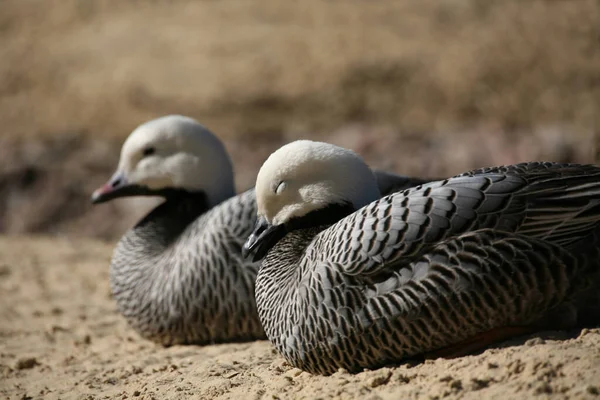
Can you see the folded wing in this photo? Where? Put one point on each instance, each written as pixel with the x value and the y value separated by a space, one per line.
pixel 557 203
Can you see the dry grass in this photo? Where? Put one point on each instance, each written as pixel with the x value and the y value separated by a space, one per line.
pixel 249 67
pixel 448 85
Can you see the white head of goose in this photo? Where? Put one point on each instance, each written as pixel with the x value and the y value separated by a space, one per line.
pixel 178 276
pixel 352 281
pixel 169 155
pixel 308 183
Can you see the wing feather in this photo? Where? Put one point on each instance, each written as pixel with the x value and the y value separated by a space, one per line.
pixel 558 203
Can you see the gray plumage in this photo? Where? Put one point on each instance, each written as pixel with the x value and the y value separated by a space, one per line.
pixel 179 277
pixel 391 183
pixel 434 265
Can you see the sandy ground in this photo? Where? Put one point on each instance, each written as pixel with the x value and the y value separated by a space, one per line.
pixel 61 337
pixel 425 88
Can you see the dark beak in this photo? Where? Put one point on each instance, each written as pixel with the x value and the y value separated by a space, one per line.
pixel 117 186
pixel 262 239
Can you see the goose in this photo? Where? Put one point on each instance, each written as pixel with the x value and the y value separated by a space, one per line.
pixel 178 276
pixel 353 280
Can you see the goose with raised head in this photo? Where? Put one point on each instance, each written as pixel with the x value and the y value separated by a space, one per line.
pixel 178 276
pixel 351 280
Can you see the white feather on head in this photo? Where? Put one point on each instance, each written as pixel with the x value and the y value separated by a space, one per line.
pixel 184 155
pixel 304 176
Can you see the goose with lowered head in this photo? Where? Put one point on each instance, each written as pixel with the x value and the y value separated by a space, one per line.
pixel 351 280
pixel 178 275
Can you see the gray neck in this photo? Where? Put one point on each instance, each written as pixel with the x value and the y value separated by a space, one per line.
pixel 164 225
pixel 146 265
pixel 280 274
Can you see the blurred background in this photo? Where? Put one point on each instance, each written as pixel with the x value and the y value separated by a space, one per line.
pixel 427 88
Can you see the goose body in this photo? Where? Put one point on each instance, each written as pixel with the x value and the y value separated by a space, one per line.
pixel 178 275
pixel 353 282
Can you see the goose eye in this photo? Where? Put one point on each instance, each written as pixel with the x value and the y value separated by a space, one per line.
pixel 280 187
pixel 148 151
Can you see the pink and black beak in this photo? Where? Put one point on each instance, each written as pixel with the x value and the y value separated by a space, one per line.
pixel 117 186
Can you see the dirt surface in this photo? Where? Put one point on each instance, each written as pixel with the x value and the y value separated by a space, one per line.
pixel 428 88
pixel 61 337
